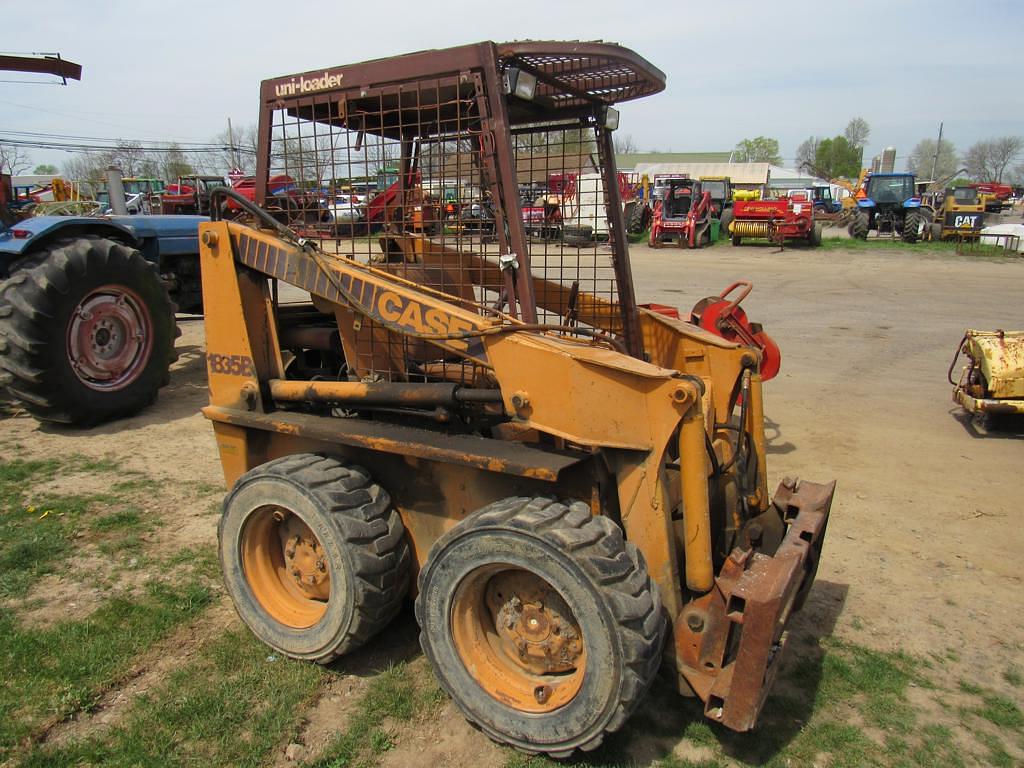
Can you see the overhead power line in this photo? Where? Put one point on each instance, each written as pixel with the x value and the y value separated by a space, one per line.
pixel 35 135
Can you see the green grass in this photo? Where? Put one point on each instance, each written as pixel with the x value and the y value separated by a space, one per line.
pixel 1001 711
pixel 997 755
pixel 232 704
pixel 1013 676
pixel 126 519
pixel 48 674
pixel 946 247
pixel 36 536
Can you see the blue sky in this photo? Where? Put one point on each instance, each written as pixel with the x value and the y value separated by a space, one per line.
pixel 735 69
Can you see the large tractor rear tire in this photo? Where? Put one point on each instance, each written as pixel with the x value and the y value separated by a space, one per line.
pixel 541 622
pixel 860 226
pixel 86 332
pixel 914 225
pixel 313 555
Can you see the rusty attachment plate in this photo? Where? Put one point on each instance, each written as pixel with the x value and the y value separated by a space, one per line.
pixel 729 641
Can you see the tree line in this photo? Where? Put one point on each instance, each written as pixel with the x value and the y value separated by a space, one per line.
pixel 157 160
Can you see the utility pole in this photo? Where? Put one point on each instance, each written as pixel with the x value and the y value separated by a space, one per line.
pixel 938 148
pixel 231 144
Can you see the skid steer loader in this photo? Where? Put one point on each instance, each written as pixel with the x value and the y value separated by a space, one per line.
pixel 572 488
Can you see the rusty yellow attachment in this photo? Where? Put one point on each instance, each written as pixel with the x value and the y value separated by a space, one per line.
pixel 751 229
pixel 1000 356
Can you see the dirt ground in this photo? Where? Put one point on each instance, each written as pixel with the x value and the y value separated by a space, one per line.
pixel 923 544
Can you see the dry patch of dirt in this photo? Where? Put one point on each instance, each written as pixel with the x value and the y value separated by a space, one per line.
pixel 327 717
pixel 446 739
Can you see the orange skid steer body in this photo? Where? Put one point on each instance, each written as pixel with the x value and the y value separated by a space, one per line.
pixel 573 488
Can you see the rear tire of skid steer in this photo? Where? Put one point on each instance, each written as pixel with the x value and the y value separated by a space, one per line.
pixel 736 240
pixel 86 332
pixel 330 573
pixel 936 232
pixel 497 627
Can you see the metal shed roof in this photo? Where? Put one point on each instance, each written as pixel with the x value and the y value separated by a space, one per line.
pixel 740 173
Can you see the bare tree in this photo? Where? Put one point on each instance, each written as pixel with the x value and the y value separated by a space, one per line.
pixel 625 145
pixel 857 132
pixel 923 156
pixel 987 160
pixel 174 164
pixel 805 155
pixel 14 159
pixel 88 166
pixel 1004 151
pixel 239 151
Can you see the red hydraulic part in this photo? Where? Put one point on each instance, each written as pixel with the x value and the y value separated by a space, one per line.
pixel 724 318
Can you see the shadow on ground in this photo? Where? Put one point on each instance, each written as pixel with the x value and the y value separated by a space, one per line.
pixel 399 643
pixel 181 398
pixel 773 438
pixel 991 426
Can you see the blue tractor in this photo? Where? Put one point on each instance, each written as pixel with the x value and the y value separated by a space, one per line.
pixel 891 208
pixel 87 310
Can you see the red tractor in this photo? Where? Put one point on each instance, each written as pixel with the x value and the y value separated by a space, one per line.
pixel 778 220
pixel 682 211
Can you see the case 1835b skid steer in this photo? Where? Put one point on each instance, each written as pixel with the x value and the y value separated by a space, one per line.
pixel 572 487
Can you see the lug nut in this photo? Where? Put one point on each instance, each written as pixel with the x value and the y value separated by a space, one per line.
pixel 542 693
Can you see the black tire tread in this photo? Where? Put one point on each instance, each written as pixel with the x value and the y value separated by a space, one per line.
pixel 911 224
pixel 616 565
pixel 362 514
pixel 724 222
pixel 31 296
pixel 859 227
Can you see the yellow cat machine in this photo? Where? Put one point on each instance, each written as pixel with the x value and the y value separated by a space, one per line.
pixel 992 381
pixel 573 488
pixel 960 215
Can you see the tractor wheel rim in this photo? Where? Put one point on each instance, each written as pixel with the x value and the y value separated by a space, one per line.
pixel 109 338
pixel 518 638
pixel 286 567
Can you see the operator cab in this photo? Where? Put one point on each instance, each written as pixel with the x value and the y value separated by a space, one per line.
pixel 891 189
pixel 678 197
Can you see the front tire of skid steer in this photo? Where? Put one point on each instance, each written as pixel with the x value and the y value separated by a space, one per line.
pixel 496 623
pixel 313 556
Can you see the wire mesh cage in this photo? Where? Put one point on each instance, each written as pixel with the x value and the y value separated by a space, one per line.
pixel 434 180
